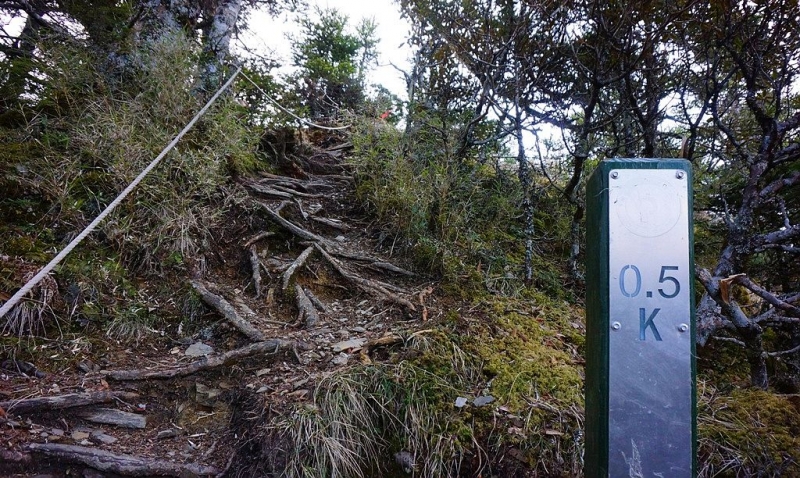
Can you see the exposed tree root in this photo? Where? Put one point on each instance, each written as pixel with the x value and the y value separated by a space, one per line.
pixel 296 193
pixel 268 191
pixel 293 228
pixel 287 182
pixel 305 309
pixel 228 311
pixel 126 465
pixel 315 300
pixel 60 402
pixel 373 262
pixel 271 346
pixel 258 237
pixel 331 223
pixel 289 273
pixel 367 285
pixel 255 264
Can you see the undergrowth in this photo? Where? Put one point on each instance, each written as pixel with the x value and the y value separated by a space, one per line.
pixel 459 219
pixel 88 137
pixel 362 420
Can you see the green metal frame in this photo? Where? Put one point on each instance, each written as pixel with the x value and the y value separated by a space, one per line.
pixel 597 310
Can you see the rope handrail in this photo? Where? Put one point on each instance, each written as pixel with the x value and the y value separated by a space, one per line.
pixel 80 237
pixel 282 108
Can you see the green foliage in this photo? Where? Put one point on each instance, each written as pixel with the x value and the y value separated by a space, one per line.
pixel 333 62
pixel 459 220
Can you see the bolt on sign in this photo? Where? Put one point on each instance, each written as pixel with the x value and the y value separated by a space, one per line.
pixel 640 367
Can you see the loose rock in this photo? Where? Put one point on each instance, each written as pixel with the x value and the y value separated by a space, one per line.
pixel 340 359
pixel 198 349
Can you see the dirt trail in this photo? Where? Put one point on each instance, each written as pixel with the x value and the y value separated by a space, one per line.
pixel 295 287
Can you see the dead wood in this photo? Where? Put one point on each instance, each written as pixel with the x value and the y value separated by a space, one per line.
pixel 257 237
pixel 373 262
pixel 289 273
pixel 110 416
pixel 228 311
pixel 255 264
pixel 367 285
pixel 271 347
pixel 294 192
pixel 305 309
pixel 294 229
pixel 331 223
pixel 390 339
pixel 317 303
pixel 287 182
pixel 126 465
pixel 347 145
pixel 60 402
pixel 269 191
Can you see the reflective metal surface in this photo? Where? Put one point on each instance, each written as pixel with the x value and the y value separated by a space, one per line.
pixel 650 376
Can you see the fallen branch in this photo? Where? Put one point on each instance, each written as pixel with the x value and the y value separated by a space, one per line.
pixel 368 286
pixel 255 264
pixel 294 229
pixel 61 402
pixel 270 347
pixel 305 309
pixel 228 311
pixel 289 273
pixel 127 465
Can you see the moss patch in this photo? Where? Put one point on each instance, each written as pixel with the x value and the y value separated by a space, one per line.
pixel 748 433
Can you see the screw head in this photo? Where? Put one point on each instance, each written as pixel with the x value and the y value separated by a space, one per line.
pixel 683 328
pixel 614 175
pixel 679 174
pixel 616 325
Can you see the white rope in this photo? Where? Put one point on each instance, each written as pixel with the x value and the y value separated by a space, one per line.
pixel 61 255
pixel 302 120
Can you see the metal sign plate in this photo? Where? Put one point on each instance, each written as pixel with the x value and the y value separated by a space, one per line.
pixel 650 367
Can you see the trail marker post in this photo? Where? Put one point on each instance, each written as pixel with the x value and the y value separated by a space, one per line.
pixel 640 366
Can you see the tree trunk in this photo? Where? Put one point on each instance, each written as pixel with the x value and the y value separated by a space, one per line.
pixel 218 41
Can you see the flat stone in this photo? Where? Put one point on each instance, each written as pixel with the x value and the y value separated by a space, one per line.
pixel 57 432
pixel 354 344
pixel 110 416
pixel 484 400
pixel 198 349
pixel 79 435
pixel 359 330
pixel 460 402
pixel 101 438
pixel 168 433
pixel 340 359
